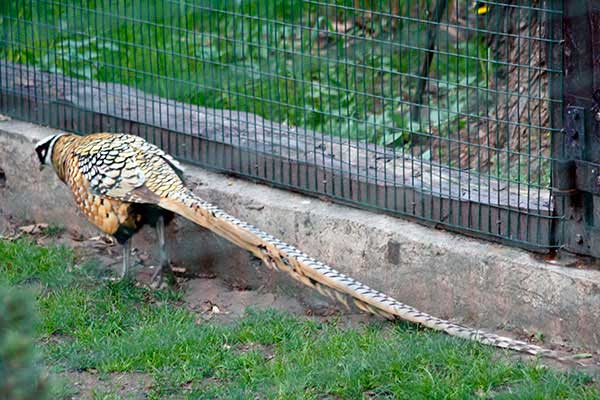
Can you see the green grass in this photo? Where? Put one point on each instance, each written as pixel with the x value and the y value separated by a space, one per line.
pixel 96 325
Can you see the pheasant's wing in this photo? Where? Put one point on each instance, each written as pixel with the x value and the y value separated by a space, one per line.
pixel 148 148
pixel 126 168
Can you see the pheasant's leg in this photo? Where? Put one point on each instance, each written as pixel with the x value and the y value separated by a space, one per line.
pixel 126 258
pixel 165 263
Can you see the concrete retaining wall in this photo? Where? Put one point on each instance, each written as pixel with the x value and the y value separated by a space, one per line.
pixel 480 284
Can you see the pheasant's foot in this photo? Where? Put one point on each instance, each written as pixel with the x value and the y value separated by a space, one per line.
pixel 158 276
pixel 117 273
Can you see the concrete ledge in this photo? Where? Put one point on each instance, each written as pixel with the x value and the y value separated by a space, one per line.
pixel 468 281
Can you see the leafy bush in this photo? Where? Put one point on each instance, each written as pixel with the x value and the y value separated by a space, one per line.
pixel 21 377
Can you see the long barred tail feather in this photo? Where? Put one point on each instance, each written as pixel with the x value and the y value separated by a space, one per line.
pixel 331 283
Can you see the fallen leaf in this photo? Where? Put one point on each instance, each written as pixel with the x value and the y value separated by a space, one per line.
pixel 76 236
pixel 205 275
pixel 179 270
pixel 33 229
pixel 582 355
pixel 102 239
pixel 207 306
pixel 10 235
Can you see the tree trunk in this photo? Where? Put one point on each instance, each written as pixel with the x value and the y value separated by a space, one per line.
pixel 512 134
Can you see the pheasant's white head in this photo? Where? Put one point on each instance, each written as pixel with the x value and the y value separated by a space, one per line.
pixel 44 148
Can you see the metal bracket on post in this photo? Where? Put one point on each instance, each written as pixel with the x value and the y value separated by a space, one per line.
pixel 588 177
pixel 575 131
pixel 566 168
pixel 596 105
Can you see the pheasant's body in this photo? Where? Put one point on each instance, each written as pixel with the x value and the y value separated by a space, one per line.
pixel 103 172
pixel 121 182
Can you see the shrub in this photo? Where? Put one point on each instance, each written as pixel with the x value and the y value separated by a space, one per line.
pixel 21 374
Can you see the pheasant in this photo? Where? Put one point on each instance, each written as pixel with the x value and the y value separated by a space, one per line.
pixel 121 182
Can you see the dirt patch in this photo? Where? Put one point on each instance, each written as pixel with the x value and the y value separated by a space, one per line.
pixel 223 298
pixel 214 298
pixel 88 384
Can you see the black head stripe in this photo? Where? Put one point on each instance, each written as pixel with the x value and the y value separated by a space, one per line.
pixel 44 148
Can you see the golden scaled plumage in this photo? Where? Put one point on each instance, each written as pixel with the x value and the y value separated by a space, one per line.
pixel 108 173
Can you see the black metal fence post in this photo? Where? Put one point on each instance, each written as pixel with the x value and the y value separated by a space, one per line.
pixel 576 149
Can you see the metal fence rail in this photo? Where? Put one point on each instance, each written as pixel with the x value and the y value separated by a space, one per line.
pixel 434 109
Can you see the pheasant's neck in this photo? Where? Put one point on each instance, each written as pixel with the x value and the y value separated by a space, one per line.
pixel 61 153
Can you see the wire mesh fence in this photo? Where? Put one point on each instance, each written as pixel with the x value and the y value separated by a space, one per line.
pixel 436 109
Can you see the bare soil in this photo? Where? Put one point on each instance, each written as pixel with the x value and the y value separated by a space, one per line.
pixel 86 384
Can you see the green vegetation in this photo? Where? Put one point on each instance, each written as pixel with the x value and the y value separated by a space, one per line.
pixel 21 377
pixel 323 66
pixel 90 324
pixel 326 68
